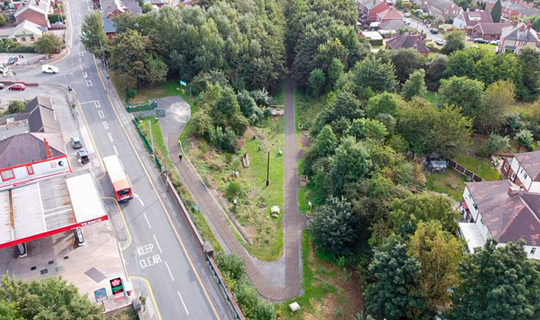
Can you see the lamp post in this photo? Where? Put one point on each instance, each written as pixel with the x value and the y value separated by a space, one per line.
pixel 7 48
pixel 268 169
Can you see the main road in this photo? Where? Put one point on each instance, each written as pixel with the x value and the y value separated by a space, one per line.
pixel 158 248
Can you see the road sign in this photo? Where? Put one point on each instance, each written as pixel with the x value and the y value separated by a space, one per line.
pixel 183 83
pixel 117 288
pixel 100 294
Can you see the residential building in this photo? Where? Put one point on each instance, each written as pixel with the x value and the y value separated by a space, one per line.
pixel 513 8
pixel 408 41
pixel 523 169
pixel 391 25
pixel 42 117
pixel 389 15
pixel 35 11
pixel 28 157
pixel 25 33
pixel 445 9
pixel 517 36
pixel 489 30
pixel 466 20
pixel 112 8
pixel 369 9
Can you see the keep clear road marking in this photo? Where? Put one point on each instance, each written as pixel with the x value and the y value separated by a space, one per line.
pixel 140 200
pixel 89 83
pixel 115 150
pixel 180 296
pixel 105 125
pixel 85 75
pixel 148 222
pixel 170 273
pixel 98 105
pixel 101 114
pixel 158 246
pixel 110 136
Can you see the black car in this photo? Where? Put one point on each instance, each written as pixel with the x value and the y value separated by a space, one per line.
pixel 82 156
pixel 434 30
pixel 480 40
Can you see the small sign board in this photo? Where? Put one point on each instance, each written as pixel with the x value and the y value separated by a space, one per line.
pixel 183 83
pixel 117 288
pixel 100 294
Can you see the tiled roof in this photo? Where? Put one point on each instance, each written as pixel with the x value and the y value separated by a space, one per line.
pixel 520 33
pixel 472 18
pixel 41 6
pixel 441 4
pixel 27 147
pixel 492 28
pixel 42 117
pixel 392 25
pixel 530 161
pixel 406 41
pixel 390 14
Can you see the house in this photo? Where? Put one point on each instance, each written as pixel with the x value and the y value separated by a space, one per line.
pixel 109 27
pixel 28 157
pixel 389 15
pixel 369 9
pixel 35 11
pixel 408 41
pixel 25 33
pixel 517 36
pixel 466 20
pixel 489 30
pixel 112 8
pixel 523 169
pixel 391 25
pixel 42 117
pixel 513 8
pixel 445 9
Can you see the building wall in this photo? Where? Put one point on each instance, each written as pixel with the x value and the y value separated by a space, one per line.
pixel 459 22
pixel 482 227
pixel 470 203
pixel 24 37
pixel 372 16
pixel 40 169
pixel 531 254
pixel 33 16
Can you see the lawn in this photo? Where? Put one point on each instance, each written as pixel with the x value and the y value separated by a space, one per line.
pixel 330 291
pixel 450 183
pixel 482 169
pixel 470 44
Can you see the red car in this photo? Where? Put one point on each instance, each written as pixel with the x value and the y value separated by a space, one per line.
pixel 17 86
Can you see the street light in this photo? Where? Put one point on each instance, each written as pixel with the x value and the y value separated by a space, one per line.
pixel 7 48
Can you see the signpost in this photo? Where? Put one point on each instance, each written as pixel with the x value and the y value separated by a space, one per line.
pixel 117 288
pixel 184 84
pixel 101 295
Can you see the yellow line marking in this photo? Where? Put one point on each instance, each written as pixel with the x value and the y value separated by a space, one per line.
pixel 147 284
pixel 205 291
pixel 124 221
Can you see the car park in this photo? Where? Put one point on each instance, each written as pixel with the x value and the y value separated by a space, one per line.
pixel 480 40
pixel 17 86
pixel 76 143
pixel 50 69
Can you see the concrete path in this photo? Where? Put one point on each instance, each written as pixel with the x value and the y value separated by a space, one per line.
pixel 279 280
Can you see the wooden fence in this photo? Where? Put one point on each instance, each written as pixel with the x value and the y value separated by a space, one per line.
pixel 464 171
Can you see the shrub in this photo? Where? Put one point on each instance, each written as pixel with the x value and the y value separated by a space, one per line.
pixel 224 139
pixel 233 190
pixel 495 143
pixel 16 106
pixel 524 138
pixel 57 17
pixel 231 265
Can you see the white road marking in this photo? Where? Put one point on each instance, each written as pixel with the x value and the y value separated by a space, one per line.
pixel 179 295
pixel 110 136
pixel 91 101
pixel 137 196
pixel 89 83
pixel 98 105
pixel 157 244
pixel 80 60
pixel 170 273
pixel 105 125
pixel 84 74
pixel 81 54
pixel 148 222
pixel 101 114
pixel 115 151
pixel 80 66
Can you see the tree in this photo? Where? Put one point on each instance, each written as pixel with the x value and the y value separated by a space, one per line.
pixel 497 283
pixel 247 103
pixel 524 137
pixel 495 143
pixel 406 61
pixel 129 54
pixel 335 70
pixel 392 295
pixel 415 86
pixel 374 74
pixel 3 20
pixel 439 253
pixel 326 142
pixel 427 206
pixel 465 93
pixel 316 81
pixel 49 44
pixel 155 71
pixel 93 36
pixel 367 128
pixel 434 71
pixel 498 98
pixel 148 7
pixel 382 103
pixel 49 298
pixel 350 163
pixel 16 106
pixel 455 41
pixel 334 227
pixel 529 60
pixel 496 11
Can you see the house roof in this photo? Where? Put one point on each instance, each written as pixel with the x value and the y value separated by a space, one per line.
pixel 473 18
pixel 406 40
pixel 373 35
pixel 392 25
pixel 28 147
pixel 390 14
pixel 40 6
pixel 370 4
pixel 508 217
pixel 108 25
pixel 441 4
pixel 42 117
pixel 28 26
pixel 520 32
pixel 530 161
pixel 492 28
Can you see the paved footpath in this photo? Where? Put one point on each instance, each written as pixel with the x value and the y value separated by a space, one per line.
pixel 293 221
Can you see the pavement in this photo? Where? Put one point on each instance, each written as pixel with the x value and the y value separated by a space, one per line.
pixel 279 280
pixel 156 244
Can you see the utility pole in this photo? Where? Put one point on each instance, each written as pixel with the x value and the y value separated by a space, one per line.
pixel 268 169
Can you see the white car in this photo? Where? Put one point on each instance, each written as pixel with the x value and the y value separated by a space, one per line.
pixel 49 69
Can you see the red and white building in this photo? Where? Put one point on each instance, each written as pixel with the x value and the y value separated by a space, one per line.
pixel 369 9
pixel 524 170
pixel 29 157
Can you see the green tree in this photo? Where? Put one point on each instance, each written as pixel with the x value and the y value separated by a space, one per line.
pixel 93 36
pixel 316 82
pixel 392 295
pixel 16 106
pixel 367 128
pixel 415 85
pixel 461 64
pixel 374 74
pixel 495 143
pixel 49 44
pixel 335 70
pixel 155 71
pixel 350 163
pixel 439 253
pixel 3 20
pixel 426 206
pixel 529 60
pixel 434 71
pixel 455 41
pixel 498 98
pixel 465 93
pixel 496 12
pixel 129 55
pixel 497 283
pixel 231 266
pixel 326 142
pixel 148 7
pixel 406 61
pixel 334 227
pixel 524 137
pixel 247 103
pixel 382 103
pixel 49 298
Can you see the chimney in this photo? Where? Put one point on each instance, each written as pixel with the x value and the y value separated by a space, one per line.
pixel 47 148
pixel 515 190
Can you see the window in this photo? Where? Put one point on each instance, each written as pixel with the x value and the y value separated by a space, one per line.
pixel 525 175
pixel 7 175
pixel 30 170
pixel 506 165
pixel 533 250
pixel 32 38
pixel 482 220
pixel 23 39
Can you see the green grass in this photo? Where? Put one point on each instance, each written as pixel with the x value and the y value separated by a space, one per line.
pixel 491 47
pixel 157 135
pixel 450 183
pixel 482 169
pixel 279 98
pixel 307 108
pixel 432 97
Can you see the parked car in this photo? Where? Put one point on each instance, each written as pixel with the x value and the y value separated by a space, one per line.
pixel 434 31
pixel 82 156
pixel 76 143
pixel 440 42
pixel 17 86
pixel 495 42
pixel 12 60
pixel 50 69
pixel 480 40
pixel 407 22
pixel 2 86
pixel 79 237
pixel 407 14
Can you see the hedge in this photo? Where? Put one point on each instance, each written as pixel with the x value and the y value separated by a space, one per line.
pixel 18 49
pixel 57 17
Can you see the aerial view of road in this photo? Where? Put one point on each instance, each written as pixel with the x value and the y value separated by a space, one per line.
pixel 156 249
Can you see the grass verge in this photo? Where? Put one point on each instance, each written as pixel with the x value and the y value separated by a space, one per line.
pixel 486 171
pixel 450 183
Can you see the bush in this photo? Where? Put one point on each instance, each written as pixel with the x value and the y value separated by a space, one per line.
pixel 376 42
pixel 57 17
pixel 18 49
pixel 16 106
pixel 233 190
pixel 495 143
pixel 231 265
pixel 3 20
pixel 147 8
pixel 524 138
pixel 224 139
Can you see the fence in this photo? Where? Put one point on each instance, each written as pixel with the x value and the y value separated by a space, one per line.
pixel 150 105
pixel 147 144
pixel 464 171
